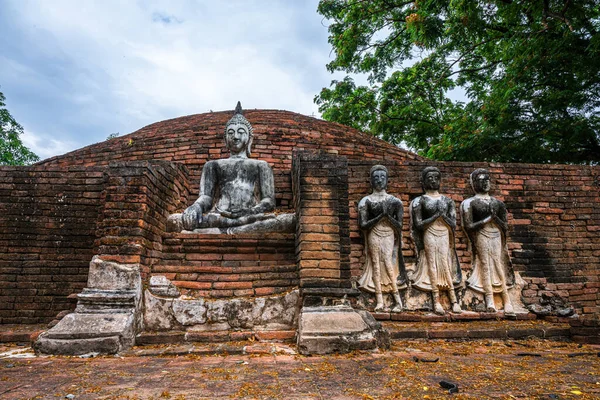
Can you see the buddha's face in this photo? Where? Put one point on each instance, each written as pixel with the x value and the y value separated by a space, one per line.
pixel 432 181
pixel 379 179
pixel 237 137
pixel 482 183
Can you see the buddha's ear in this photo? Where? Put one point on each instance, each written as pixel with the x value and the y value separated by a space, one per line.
pixel 249 147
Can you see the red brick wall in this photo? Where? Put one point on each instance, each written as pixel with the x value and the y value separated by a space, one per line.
pixel 229 265
pixel 554 221
pixel 47 230
pixel 322 235
pixel 138 198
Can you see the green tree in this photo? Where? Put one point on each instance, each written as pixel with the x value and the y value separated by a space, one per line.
pixel 530 71
pixel 12 150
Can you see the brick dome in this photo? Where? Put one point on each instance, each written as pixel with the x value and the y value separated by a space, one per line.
pixel 195 139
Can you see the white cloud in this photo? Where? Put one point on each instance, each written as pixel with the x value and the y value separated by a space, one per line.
pixel 119 65
pixel 46 147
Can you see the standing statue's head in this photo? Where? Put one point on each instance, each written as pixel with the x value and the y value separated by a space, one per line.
pixel 431 178
pixel 379 177
pixel 238 132
pixel 480 181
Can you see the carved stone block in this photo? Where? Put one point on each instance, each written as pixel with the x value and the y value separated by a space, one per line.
pixel 107 316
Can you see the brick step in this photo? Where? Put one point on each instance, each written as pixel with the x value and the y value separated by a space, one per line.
pixel 472 330
pixel 492 329
pixel 20 333
pixel 222 270
pixel 173 337
pixel 211 349
pixel 501 330
pixel 228 254
pixel 268 243
pixel 230 289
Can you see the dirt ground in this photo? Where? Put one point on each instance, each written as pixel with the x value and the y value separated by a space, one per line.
pixel 530 369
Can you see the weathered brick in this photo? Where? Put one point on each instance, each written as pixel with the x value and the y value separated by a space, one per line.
pixel 232 285
pixel 278 336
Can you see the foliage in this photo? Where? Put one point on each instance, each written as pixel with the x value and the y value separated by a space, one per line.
pixel 530 71
pixel 12 150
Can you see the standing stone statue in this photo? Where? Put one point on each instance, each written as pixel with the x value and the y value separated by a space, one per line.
pixel 236 193
pixel 380 219
pixel 484 219
pixel 433 219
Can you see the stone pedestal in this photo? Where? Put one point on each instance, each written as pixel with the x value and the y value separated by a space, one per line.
pixel 329 324
pixel 339 329
pixel 107 316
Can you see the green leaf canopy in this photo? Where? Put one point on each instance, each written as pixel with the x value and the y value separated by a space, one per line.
pixel 529 72
pixel 12 150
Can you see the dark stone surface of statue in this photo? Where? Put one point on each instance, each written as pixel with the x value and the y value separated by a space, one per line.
pixel 236 193
pixel 380 219
pixel 433 219
pixel 484 219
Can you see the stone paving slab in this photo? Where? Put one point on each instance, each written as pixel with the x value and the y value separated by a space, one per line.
pixel 482 369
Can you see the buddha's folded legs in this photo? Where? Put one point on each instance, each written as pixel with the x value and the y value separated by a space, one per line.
pixel 215 223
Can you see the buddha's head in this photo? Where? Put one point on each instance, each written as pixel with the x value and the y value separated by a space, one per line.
pixel 379 177
pixel 238 133
pixel 480 181
pixel 431 178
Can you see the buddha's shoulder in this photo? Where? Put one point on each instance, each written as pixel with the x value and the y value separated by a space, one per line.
pixel 259 163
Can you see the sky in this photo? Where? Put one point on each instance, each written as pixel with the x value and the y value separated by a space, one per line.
pixel 76 71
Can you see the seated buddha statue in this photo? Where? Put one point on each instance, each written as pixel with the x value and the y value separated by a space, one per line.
pixel 237 194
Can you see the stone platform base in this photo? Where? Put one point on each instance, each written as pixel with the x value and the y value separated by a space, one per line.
pixel 338 329
pixel 200 315
pixel 451 317
pixel 88 333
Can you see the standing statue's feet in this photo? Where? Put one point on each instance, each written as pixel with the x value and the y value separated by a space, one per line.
pixel 398 307
pixel 489 303
pixel 508 309
pixel 438 309
pixel 379 307
pixel 456 308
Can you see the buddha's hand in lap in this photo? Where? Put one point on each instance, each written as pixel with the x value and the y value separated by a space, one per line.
pixel 234 214
pixel 249 215
pixel 191 216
